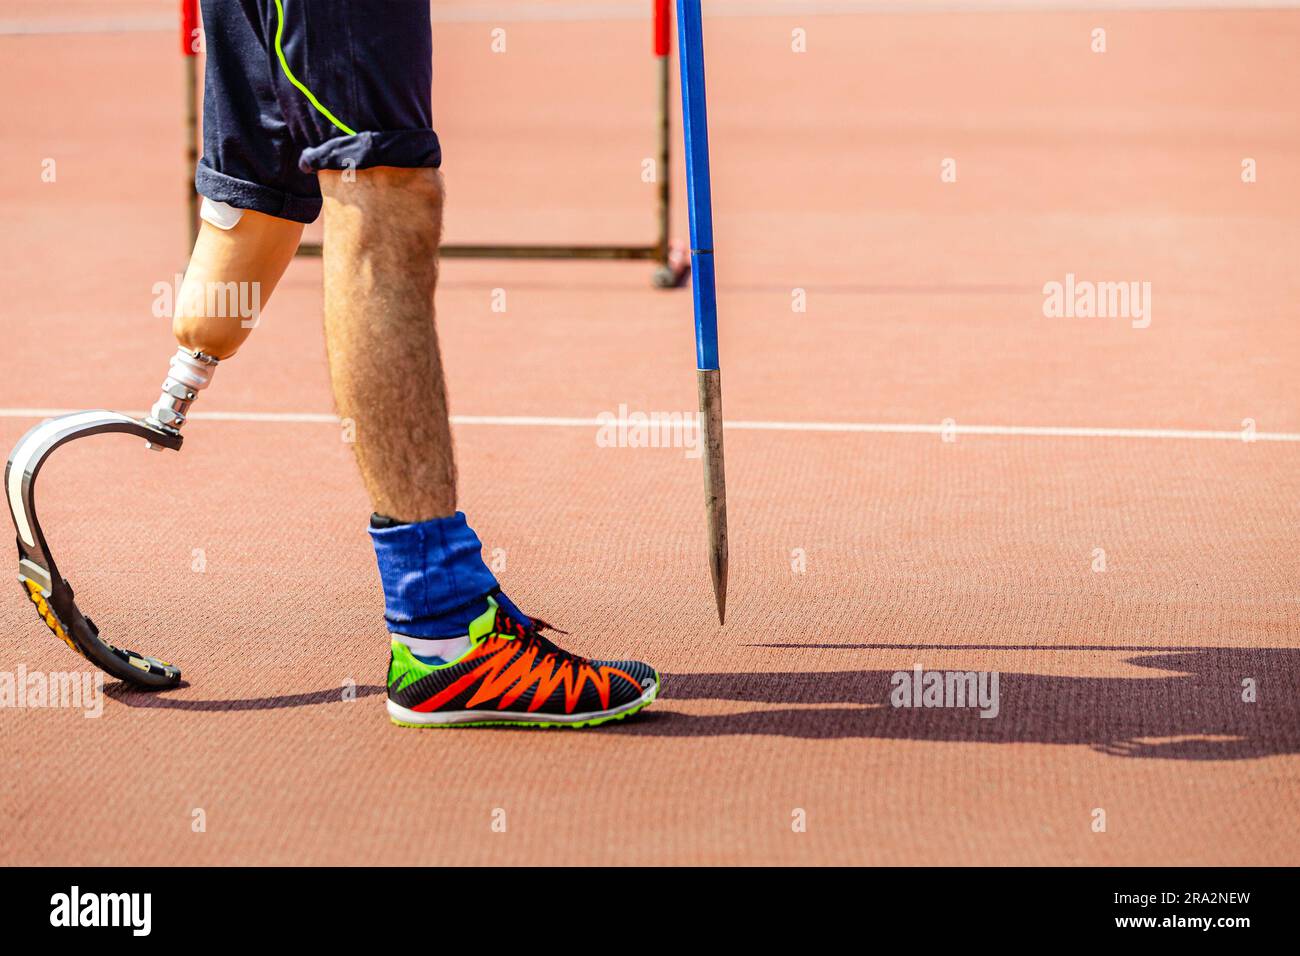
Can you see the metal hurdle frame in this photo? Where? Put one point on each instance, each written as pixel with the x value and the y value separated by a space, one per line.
pixel 672 263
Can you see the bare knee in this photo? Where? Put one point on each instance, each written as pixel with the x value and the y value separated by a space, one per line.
pixel 386 205
pixel 382 186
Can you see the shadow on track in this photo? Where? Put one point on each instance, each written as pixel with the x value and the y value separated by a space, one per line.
pixel 331 695
pixel 1197 713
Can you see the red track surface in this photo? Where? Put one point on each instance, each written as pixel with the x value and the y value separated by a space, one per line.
pixel 1120 690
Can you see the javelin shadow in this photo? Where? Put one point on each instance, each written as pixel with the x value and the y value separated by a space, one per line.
pixel 125 694
pixel 1198 711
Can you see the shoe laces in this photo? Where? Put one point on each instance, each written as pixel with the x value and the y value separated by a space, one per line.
pixel 511 630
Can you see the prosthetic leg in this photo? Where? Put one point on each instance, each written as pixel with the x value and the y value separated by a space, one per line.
pixel 189 373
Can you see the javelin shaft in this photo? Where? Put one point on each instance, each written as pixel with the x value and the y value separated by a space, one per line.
pixel 699 195
pixel 695 125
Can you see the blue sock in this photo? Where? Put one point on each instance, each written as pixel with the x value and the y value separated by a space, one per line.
pixel 435 581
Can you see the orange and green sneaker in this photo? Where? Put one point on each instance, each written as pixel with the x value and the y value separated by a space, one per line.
pixel 512 675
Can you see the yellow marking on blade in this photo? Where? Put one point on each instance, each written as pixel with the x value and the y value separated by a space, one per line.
pixel 48 616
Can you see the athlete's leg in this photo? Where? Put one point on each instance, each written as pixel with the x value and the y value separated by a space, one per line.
pixel 355 90
pixel 382 228
pixel 376 157
pixel 241 264
pixel 256 200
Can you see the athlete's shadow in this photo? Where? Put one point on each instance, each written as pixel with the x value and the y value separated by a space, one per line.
pixel 1196 713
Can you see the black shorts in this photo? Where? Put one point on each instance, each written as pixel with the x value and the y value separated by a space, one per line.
pixel 296 86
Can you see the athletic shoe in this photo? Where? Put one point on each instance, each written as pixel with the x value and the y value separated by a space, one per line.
pixel 512 675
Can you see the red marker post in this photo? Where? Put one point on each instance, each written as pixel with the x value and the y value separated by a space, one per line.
pixel 663 28
pixel 189 27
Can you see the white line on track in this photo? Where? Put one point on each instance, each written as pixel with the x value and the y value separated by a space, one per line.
pixel 881 428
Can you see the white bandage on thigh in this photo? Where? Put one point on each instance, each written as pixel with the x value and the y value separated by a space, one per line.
pixel 187 375
pixel 220 214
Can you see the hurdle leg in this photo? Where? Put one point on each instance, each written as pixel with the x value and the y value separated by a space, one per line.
pixel 190 60
pixel 673 260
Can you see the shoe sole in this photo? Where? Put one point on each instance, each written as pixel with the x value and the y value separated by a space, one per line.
pixel 405 717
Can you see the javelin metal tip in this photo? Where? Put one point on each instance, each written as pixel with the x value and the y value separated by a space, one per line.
pixel 715 482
